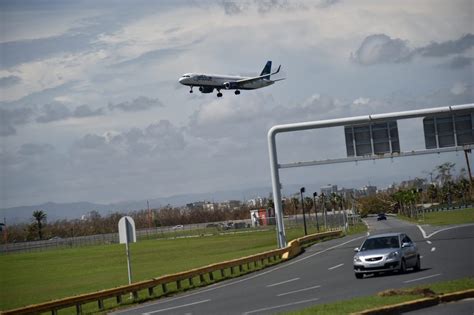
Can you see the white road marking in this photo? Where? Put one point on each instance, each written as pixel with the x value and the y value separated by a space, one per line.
pixel 429 242
pixel 301 290
pixel 175 307
pixel 368 226
pixel 283 282
pixel 445 229
pixel 280 306
pixel 220 286
pixel 423 278
pixel 433 249
pixel 337 266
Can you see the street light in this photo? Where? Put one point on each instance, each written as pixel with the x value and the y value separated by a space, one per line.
pixel 323 203
pixel 302 206
pixel 315 194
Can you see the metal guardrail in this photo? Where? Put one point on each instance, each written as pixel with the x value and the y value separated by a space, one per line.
pixel 293 249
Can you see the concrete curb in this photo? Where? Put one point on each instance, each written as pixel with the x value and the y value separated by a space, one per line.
pixel 418 304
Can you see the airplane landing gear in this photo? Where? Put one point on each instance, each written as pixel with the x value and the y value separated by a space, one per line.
pixel 190 91
pixel 237 92
pixel 219 94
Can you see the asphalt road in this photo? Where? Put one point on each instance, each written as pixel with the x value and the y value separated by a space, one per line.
pixel 324 274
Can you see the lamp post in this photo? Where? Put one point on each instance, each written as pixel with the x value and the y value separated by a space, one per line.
pixel 315 194
pixel 302 206
pixel 323 203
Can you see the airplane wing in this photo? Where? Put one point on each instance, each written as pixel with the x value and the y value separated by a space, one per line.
pixel 248 80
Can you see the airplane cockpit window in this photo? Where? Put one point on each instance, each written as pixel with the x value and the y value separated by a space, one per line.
pixel 186 76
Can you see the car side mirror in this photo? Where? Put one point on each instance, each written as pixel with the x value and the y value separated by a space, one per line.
pixel 406 245
pixel 356 250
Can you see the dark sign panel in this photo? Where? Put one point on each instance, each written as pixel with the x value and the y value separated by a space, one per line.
pixel 372 139
pixel 448 131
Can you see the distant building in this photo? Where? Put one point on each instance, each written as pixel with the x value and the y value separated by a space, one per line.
pixel 347 193
pixel 230 204
pixel 328 189
pixel 369 190
pixel 256 202
pixel 205 205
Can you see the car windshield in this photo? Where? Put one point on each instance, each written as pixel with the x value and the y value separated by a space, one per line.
pixel 380 243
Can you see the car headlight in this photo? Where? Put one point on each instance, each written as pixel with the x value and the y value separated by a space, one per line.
pixel 357 259
pixel 392 255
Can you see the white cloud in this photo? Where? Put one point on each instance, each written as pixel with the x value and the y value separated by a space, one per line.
pixel 132 57
pixel 361 101
pixel 52 72
pixel 459 88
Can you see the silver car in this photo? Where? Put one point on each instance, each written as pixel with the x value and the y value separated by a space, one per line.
pixel 386 252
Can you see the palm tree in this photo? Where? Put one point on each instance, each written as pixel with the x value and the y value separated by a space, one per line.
pixel 462 189
pixel 40 217
pixel 433 192
pixel 444 172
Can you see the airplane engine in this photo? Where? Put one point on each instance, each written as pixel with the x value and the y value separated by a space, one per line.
pixel 206 89
pixel 230 85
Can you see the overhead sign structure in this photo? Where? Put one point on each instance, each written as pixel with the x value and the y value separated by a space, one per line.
pixel 372 139
pixel 382 132
pixel 448 130
pixel 127 234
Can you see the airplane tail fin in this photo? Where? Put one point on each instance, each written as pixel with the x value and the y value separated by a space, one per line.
pixel 267 69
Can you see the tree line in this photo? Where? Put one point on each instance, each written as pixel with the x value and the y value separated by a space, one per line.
pixel 95 223
pixel 446 190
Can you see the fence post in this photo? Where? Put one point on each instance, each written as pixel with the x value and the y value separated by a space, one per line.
pixel 101 304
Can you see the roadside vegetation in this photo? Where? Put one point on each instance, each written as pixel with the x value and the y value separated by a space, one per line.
pixel 52 274
pixel 388 297
pixel 461 216
pixel 443 190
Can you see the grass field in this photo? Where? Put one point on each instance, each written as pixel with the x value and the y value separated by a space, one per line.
pixel 445 217
pixel 30 278
pixel 363 303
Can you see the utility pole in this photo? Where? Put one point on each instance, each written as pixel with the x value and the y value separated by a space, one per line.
pixel 315 194
pixel 302 206
pixel 149 214
pixel 468 170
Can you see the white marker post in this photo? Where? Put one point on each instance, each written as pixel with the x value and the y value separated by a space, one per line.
pixel 127 234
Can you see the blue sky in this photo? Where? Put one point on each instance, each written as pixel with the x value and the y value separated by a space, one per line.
pixel 91 109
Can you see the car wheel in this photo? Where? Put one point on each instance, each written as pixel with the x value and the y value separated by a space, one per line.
pixel 418 264
pixel 403 266
pixel 359 275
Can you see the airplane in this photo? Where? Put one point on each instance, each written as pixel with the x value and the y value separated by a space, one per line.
pixel 208 82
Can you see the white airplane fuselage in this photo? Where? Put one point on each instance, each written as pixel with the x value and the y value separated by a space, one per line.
pixel 217 81
pixel 207 83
